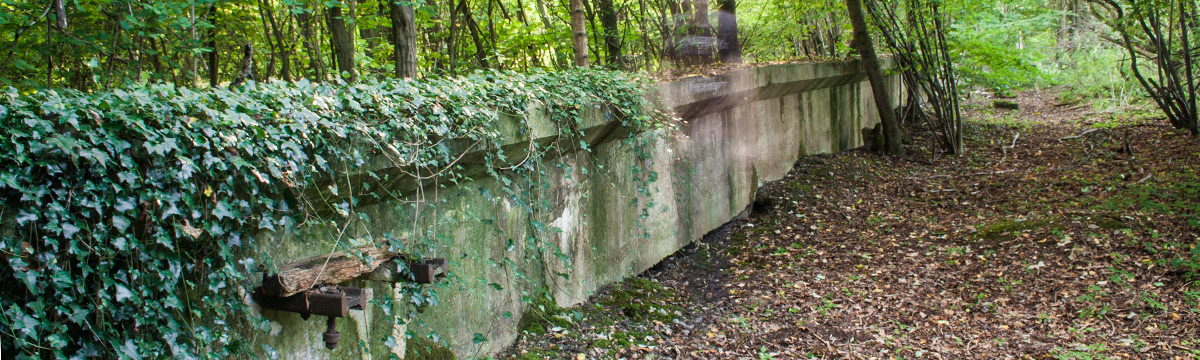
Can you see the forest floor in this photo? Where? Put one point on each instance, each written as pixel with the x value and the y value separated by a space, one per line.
pixel 1063 233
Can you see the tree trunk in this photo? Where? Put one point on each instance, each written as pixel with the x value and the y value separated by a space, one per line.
pixel 246 70
pixel 579 33
pixel 870 63
pixel 311 43
pixel 404 40
pixel 452 37
pixel 343 47
pixel 728 46
pixel 214 69
pixel 611 36
pixel 285 51
pixel 473 29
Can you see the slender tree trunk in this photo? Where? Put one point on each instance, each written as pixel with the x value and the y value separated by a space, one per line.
pixel 50 58
pixel 727 32
pixel 1186 16
pixel 452 36
pixel 612 32
pixel 545 18
pixel 309 34
pixel 542 15
pixel 284 47
pixel 194 76
pixel 343 48
pixel 579 38
pixel 883 100
pixel 156 59
pixel 595 33
pixel 214 68
pixel 263 8
pixel 404 40
pixel 473 28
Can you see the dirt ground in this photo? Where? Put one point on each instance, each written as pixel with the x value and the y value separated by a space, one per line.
pixel 1063 233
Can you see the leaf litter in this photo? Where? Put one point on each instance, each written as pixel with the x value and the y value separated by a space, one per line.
pixel 1063 233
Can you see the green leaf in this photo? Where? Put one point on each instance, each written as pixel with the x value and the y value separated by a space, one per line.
pixel 123 293
pixel 222 211
pixel 166 145
pixel 478 339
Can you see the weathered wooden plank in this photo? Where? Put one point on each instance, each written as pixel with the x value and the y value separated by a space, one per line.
pixel 332 268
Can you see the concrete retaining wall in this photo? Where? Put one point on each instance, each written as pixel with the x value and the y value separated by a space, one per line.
pixel 741 129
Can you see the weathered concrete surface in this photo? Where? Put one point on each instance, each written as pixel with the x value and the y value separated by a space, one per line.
pixel 597 219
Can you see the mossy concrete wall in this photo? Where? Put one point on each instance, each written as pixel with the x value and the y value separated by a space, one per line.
pixel 604 220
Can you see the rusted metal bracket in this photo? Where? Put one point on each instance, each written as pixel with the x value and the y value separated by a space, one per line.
pixel 426 271
pixel 335 301
pixel 331 301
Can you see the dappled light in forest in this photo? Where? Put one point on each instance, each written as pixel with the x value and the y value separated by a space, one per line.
pixel 600 179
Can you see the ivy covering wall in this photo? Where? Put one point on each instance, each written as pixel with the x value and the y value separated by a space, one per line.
pixel 130 217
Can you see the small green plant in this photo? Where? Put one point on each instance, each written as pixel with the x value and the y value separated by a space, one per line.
pixel 1120 277
pixel 1009 284
pixel 1094 305
pixel 764 355
pixel 827 304
pixel 1089 352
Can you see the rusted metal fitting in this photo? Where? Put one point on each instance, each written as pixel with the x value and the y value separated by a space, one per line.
pixel 427 271
pixel 330 301
pixel 331 335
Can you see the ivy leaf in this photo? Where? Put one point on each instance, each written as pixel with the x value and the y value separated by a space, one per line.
pixel 127 177
pixel 30 326
pixel 120 244
pixel 123 293
pixel 29 278
pixel 69 230
pixel 120 222
pixel 162 148
pixel 221 211
pixel 129 349
pixel 270 351
pixel 124 204
pixel 266 223
pixel 478 339
pixel 63 143
pixel 24 217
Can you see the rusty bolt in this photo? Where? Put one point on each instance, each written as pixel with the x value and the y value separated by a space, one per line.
pixel 331 335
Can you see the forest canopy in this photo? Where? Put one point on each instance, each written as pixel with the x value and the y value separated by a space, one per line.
pixel 88 44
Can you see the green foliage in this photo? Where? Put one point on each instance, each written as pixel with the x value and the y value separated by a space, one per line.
pixel 992 66
pixel 1174 196
pixel 131 216
pixel 1094 75
pixel 807 33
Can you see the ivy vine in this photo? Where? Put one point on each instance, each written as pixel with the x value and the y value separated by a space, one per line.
pixel 157 194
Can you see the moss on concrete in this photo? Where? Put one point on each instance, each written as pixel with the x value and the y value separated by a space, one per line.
pixel 420 348
pixel 542 312
pixel 642 299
